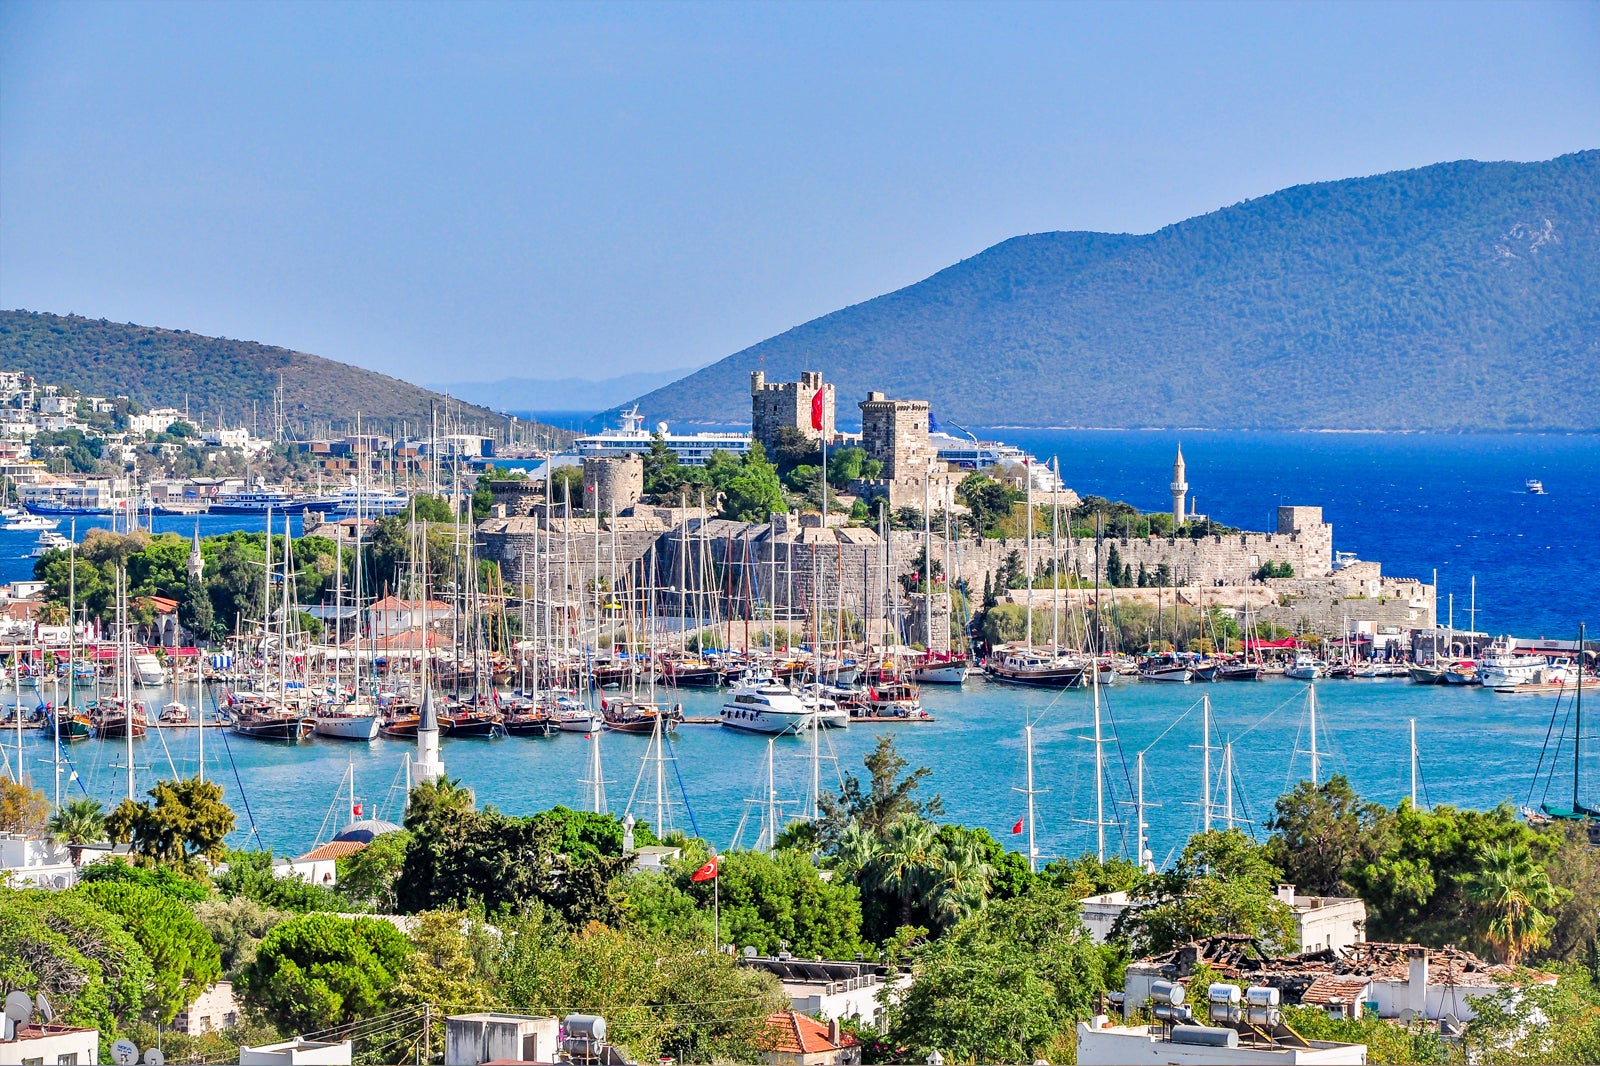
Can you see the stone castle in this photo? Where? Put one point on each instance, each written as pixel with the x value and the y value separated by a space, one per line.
pixel 796 562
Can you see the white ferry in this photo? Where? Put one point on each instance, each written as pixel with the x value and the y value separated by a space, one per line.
pixel 631 438
pixel 1500 667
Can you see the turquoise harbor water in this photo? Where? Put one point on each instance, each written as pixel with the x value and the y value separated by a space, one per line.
pixel 1413 502
pixel 1477 748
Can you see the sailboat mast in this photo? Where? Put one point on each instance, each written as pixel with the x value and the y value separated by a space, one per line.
pixel 927 565
pixel 1099 769
pixel 127 679
pixel 1413 762
pixel 1027 577
pixel 1205 763
pixel 1139 840
pixel 1032 851
pixel 1316 759
pixel 683 572
pixel 594 773
pixel 661 780
pixel 1577 735
pixel 1055 582
pixel 1227 783
pixel 772 802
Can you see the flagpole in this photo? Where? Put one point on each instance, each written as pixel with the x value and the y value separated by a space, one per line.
pixel 716 905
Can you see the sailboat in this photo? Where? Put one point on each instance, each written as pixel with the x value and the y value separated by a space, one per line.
pixel 355 718
pixel 1576 810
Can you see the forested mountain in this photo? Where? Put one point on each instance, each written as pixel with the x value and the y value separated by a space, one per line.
pixel 1461 296
pixel 216 377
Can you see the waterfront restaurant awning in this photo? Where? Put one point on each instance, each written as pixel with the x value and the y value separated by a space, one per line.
pixel 1287 643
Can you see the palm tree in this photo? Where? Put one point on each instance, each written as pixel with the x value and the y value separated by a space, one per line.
pixel 961 877
pixel 446 797
pixel 856 852
pixel 902 866
pixel 1515 895
pixel 78 822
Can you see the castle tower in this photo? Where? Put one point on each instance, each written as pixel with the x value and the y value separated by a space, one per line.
pixel 1180 490
pixel 197 562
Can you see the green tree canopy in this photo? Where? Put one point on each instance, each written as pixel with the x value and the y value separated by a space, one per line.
pixel 316 971
pixel 184 961
pixel 659 993
pixel 68 947
pixel 186 820
pixel 1005 985
pixel 1222 883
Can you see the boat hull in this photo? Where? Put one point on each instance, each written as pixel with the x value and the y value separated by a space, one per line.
pixel 942 674
pixel 347 726
pixel 287 730
pixel 751 719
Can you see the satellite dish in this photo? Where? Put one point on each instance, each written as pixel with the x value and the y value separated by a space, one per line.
pixel 19 1007
pixel 1408 1016
pixel 125 1052
pixel 1450 1026
pixel 154 1057
pixel 47 1013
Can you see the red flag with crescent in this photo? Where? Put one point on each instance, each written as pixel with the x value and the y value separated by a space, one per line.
pixel 1018 827
pixel 816 410
pixel 706 872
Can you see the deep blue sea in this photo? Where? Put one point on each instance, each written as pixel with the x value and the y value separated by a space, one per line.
pixel 1412 502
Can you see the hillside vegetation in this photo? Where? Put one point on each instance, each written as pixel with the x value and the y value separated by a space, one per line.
pixel 1458 297
pixel 164 367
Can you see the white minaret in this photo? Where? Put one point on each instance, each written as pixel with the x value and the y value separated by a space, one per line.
pixel 197 562
pixel 1180 490
pixel 427 767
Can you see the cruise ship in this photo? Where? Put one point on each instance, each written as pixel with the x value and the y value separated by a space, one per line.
pixel 631 438
pixel 970 453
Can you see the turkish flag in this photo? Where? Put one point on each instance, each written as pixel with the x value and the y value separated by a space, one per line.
pixel 706 872
pixel 356 810
pixel 816 410
pixel 1018 827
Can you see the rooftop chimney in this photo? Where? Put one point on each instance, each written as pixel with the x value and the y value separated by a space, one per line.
pixel 1417 986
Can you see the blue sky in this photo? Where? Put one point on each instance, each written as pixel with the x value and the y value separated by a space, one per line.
pixel 469 192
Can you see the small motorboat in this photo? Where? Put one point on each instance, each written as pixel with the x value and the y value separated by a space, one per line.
pixel 173 713
pixel 1304 667
pixel 1534 486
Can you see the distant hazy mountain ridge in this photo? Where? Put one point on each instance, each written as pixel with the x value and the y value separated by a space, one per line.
pixel 1458 297
pixel 163 367
pixel 559 394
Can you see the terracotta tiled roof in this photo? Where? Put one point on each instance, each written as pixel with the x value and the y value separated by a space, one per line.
pixel 792 1033
pixel 335 849
pixel 395 603
pixel 1330 988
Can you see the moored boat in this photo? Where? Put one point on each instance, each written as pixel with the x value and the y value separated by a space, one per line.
pixel 350 721
pixel 759 704
pixel 1028 666
pixel 1304 667
pixel 273 724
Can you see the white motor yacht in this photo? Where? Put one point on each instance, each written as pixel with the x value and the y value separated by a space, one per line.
pixel 826 711
pixel 761 705
pixel 1304 667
